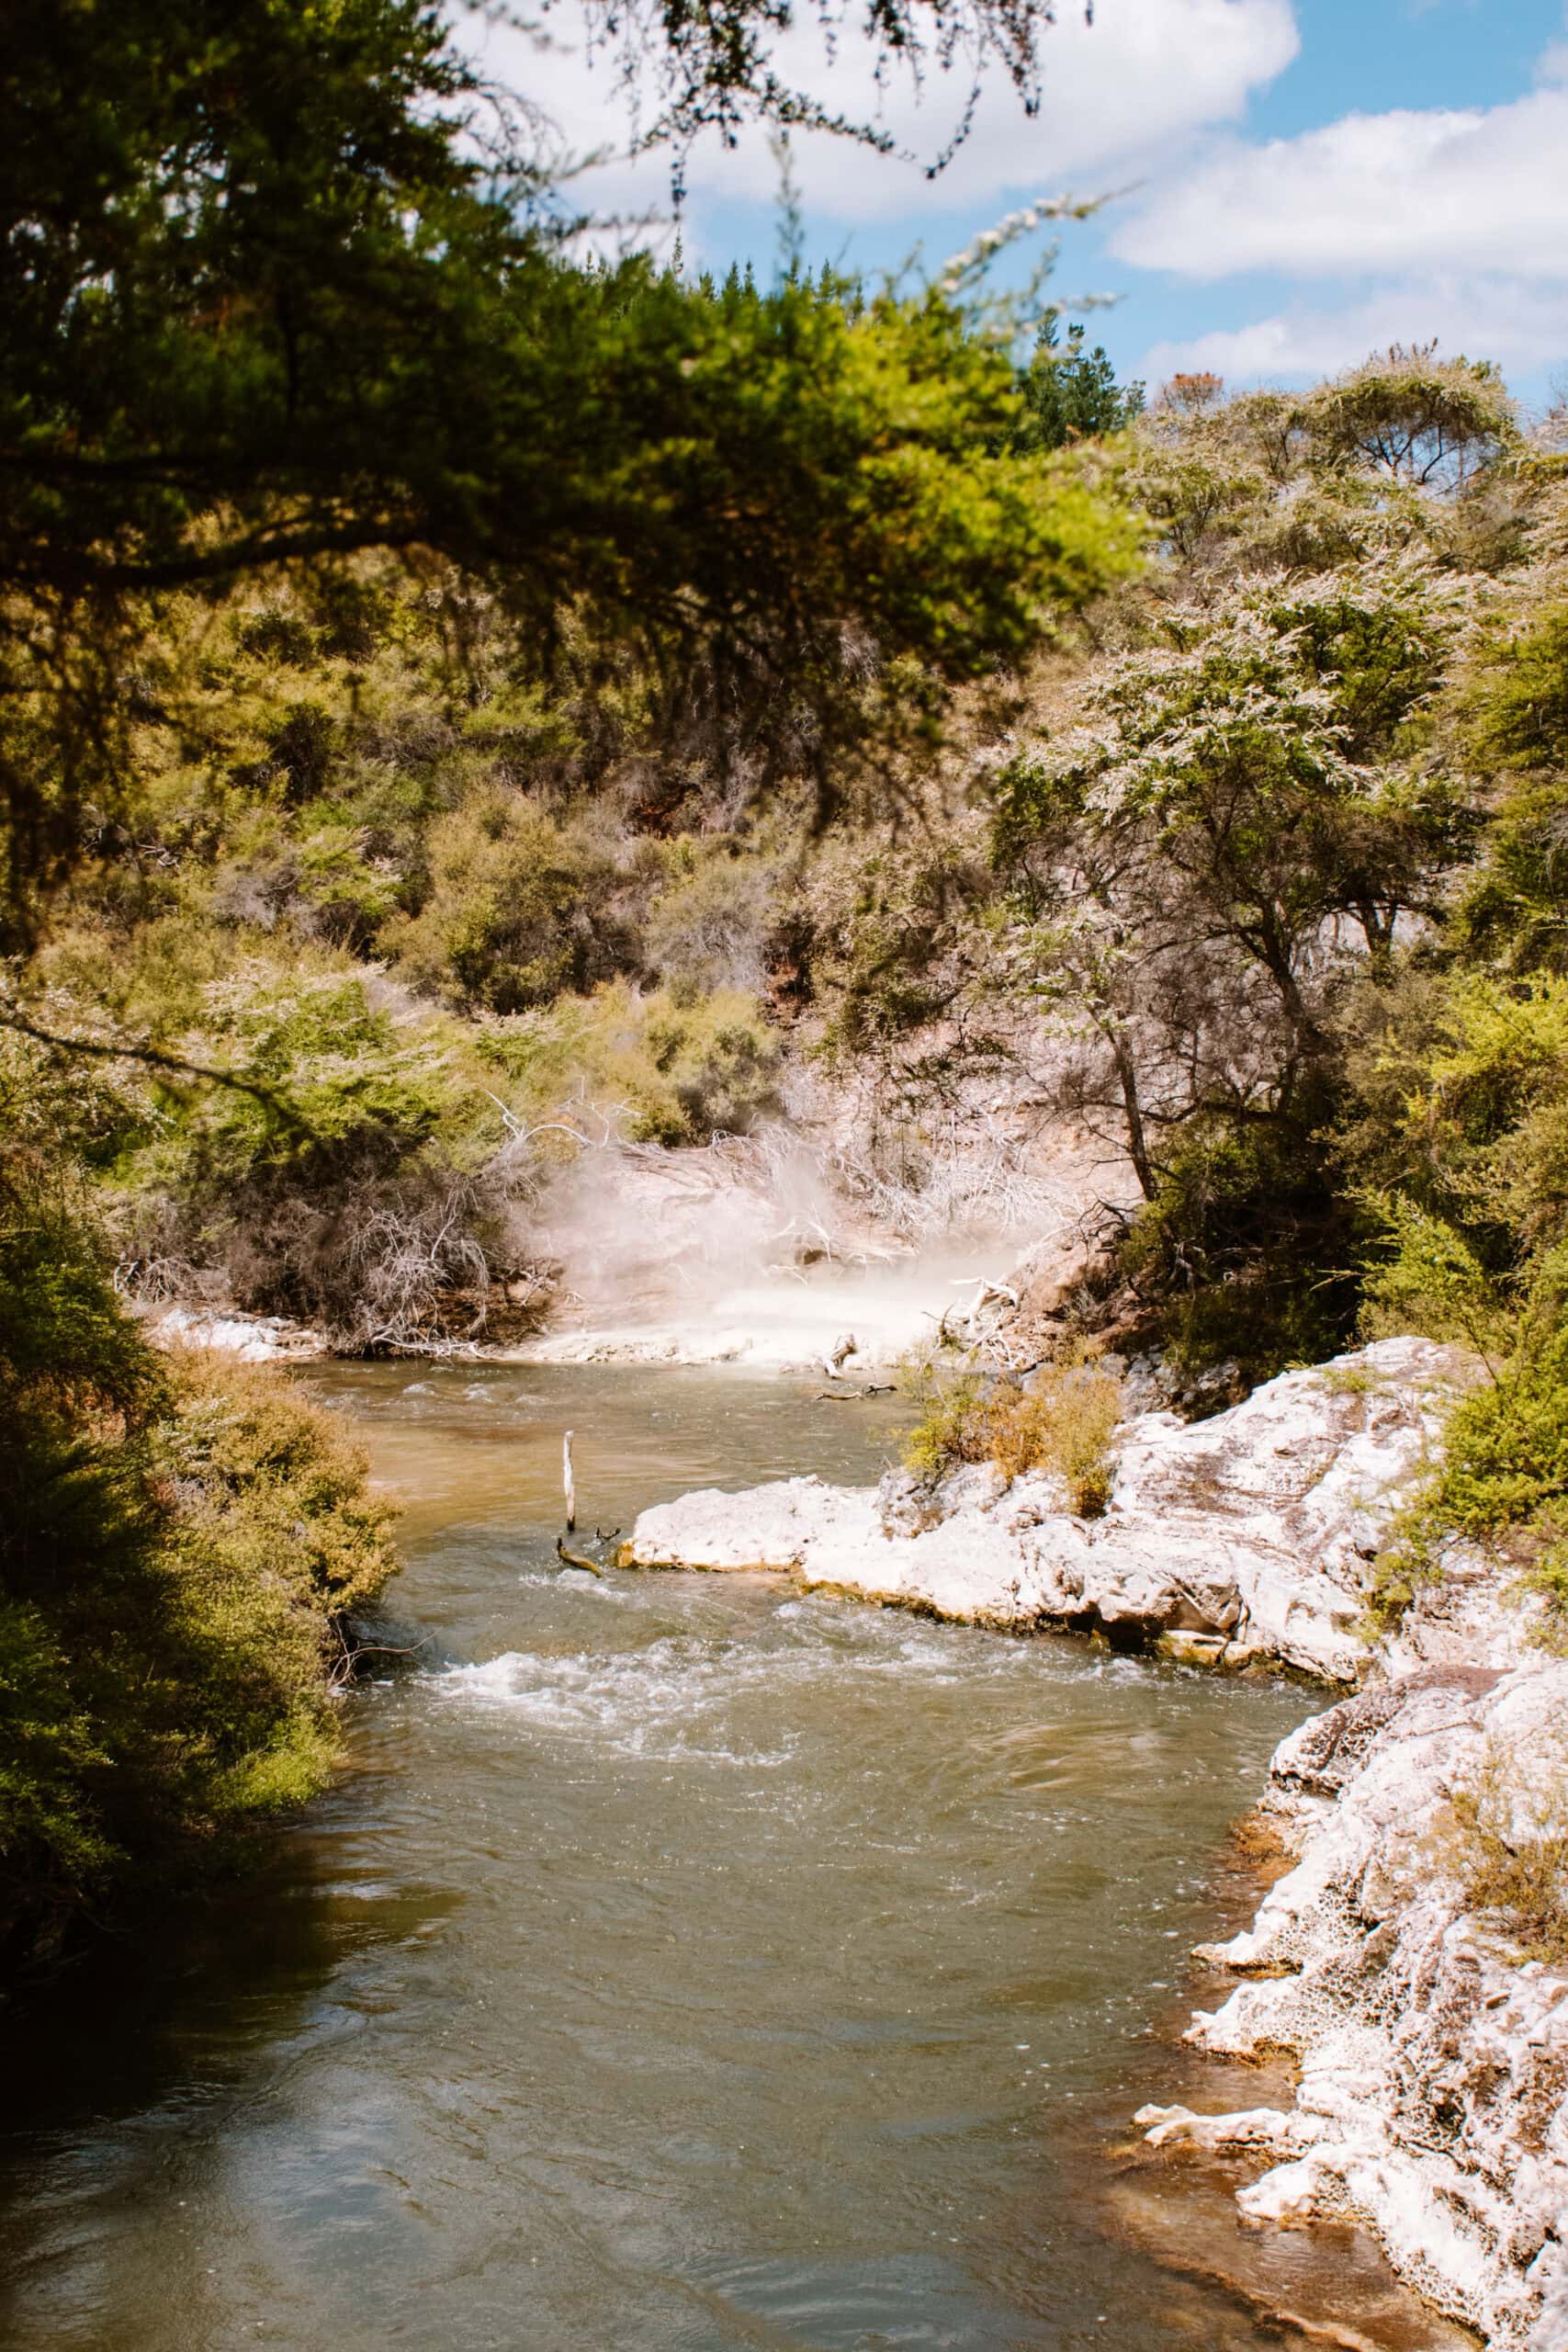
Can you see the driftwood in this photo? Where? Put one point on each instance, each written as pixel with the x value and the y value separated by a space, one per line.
pixel 577 1559
pixel 984 1292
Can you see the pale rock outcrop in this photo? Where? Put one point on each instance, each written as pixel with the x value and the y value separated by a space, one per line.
pixel 1247 1536
pixel 1433 2054
pixel 1433 2096
pixel 254 1339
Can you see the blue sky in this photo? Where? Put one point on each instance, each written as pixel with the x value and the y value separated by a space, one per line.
pixel 1309 178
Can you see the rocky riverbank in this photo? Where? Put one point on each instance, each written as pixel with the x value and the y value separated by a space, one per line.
pixel 1243 1539
pixel 1431 2040
pixel 1431 2043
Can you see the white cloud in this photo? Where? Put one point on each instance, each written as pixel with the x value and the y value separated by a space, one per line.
pixel 1486 189
pixel 1448 222
pixel 1520 323
pixel 1119 96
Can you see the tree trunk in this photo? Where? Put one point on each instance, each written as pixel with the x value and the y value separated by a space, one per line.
pixel 1137 1141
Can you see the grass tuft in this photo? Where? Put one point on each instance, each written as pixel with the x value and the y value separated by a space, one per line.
pixel 1062 1421
pixel 1504 1839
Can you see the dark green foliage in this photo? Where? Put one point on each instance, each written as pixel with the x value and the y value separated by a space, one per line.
pixel 178 1544
pixel 266 304
pixel 519 910
pixel 1071 394
pixel 1248 1248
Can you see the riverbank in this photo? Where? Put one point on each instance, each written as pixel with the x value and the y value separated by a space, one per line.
pixel 1425 2015
pixel 1243 1540
pixel 1429 2020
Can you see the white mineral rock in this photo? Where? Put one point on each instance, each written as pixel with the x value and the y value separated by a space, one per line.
pixel 1433 2055
pixel 255 1339
pixel 1245 1536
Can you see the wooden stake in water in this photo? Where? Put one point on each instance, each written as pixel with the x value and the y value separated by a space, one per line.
pixel 568 1484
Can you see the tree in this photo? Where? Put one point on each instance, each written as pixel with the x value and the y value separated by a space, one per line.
pixel 281 287
pixel 1414 418
pixel 718 66
pixel 1187 860
pixel 1070 394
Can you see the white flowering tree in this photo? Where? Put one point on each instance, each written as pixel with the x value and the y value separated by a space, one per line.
pixel 1244 811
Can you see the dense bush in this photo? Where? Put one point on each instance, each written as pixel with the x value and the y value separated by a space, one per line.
pixel 181 1544
pixel 1062 1420
pixel 1247 1252
pixel 519 910
pixel 671 1066
pixel 1463 1128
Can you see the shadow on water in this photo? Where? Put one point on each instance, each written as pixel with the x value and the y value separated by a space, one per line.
pixel 125 2076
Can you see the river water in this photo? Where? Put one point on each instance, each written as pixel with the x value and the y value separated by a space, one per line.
pixel 682 1965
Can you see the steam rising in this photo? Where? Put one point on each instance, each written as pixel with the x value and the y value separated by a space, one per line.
pixel 751 1251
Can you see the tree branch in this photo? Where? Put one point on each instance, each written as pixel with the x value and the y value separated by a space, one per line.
pixel 101 1051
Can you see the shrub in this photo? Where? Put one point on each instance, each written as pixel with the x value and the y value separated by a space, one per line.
pixel 708 925
pixel 670 1067
pixel 1245 1248
pixel 401 1260
pixel 519 910
pixel 340 1177
pixel 951 1398
pixel 324 1078
pixel 1064 1421
pixel 1505 1840
pixel 180 1543
pixel 1503 1476
pixel 1431 1281
pixel 1465 1109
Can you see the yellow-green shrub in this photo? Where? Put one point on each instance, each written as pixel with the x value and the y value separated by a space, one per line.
pixel 517 912
pixel 671 1067
pixel 1064 1421
pixel 1506 1839
pixel 950 1397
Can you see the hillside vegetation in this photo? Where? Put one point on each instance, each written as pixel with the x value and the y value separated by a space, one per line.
pixel 416 646
pixel 1281 864
pixel 576 718
pixel 1266 848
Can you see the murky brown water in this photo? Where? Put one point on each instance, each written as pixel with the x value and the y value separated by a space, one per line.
pixel 683 1966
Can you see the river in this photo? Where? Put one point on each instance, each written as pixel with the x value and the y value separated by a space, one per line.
pixel 682 1965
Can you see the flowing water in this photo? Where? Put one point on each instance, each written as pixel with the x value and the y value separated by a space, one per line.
pixel 682 1965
